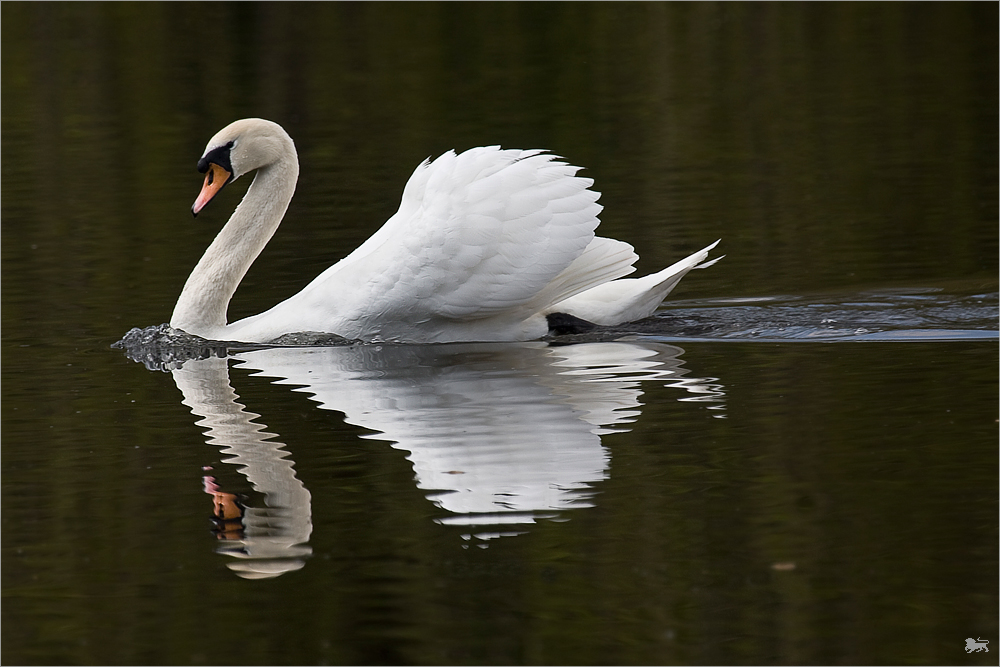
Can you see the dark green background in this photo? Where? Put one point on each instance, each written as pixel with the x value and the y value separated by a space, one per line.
pixel 833 147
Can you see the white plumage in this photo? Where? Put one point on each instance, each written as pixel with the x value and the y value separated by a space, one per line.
pixel 484 246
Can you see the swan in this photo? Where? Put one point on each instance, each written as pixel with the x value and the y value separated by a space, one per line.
pixel 487 245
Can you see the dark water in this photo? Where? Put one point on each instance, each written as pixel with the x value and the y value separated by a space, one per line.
pixel 794 462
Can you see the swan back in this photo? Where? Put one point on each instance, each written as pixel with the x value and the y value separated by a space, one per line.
pixel 477 240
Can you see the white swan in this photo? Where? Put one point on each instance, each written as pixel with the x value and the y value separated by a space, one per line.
pixel 487 245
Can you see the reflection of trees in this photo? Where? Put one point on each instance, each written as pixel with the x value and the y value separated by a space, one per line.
pixel 498 435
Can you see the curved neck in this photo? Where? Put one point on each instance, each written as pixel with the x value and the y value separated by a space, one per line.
pixel 202 305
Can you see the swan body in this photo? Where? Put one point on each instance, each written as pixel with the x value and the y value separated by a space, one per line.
pixel 485 246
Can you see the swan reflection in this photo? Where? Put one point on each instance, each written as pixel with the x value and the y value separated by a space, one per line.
pixel 270 540
pixel 499 435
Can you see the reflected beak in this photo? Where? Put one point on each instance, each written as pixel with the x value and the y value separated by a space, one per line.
pixel 215 178
pixel 225 507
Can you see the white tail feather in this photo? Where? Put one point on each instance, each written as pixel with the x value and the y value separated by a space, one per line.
pixel 631 299
pixel 602 260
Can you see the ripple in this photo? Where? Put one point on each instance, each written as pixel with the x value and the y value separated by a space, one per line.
pixel 919 314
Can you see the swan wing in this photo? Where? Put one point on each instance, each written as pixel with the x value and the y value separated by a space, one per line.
pixel 478 235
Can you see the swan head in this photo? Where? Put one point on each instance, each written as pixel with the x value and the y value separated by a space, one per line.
pixel 237 149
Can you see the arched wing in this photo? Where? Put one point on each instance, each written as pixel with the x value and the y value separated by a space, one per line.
pixel 477 235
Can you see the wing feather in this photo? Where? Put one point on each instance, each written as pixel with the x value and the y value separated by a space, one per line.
pixel 477 234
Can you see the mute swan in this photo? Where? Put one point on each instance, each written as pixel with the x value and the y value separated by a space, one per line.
pixel 487 245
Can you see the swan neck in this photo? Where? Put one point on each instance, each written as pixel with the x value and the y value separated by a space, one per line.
pixel 203 304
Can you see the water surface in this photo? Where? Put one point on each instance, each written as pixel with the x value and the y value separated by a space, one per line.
pixel 793 462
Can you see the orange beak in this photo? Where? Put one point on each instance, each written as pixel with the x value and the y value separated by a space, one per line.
pixel 215 178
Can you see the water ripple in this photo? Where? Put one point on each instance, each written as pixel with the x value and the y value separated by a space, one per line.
pixel 884 315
